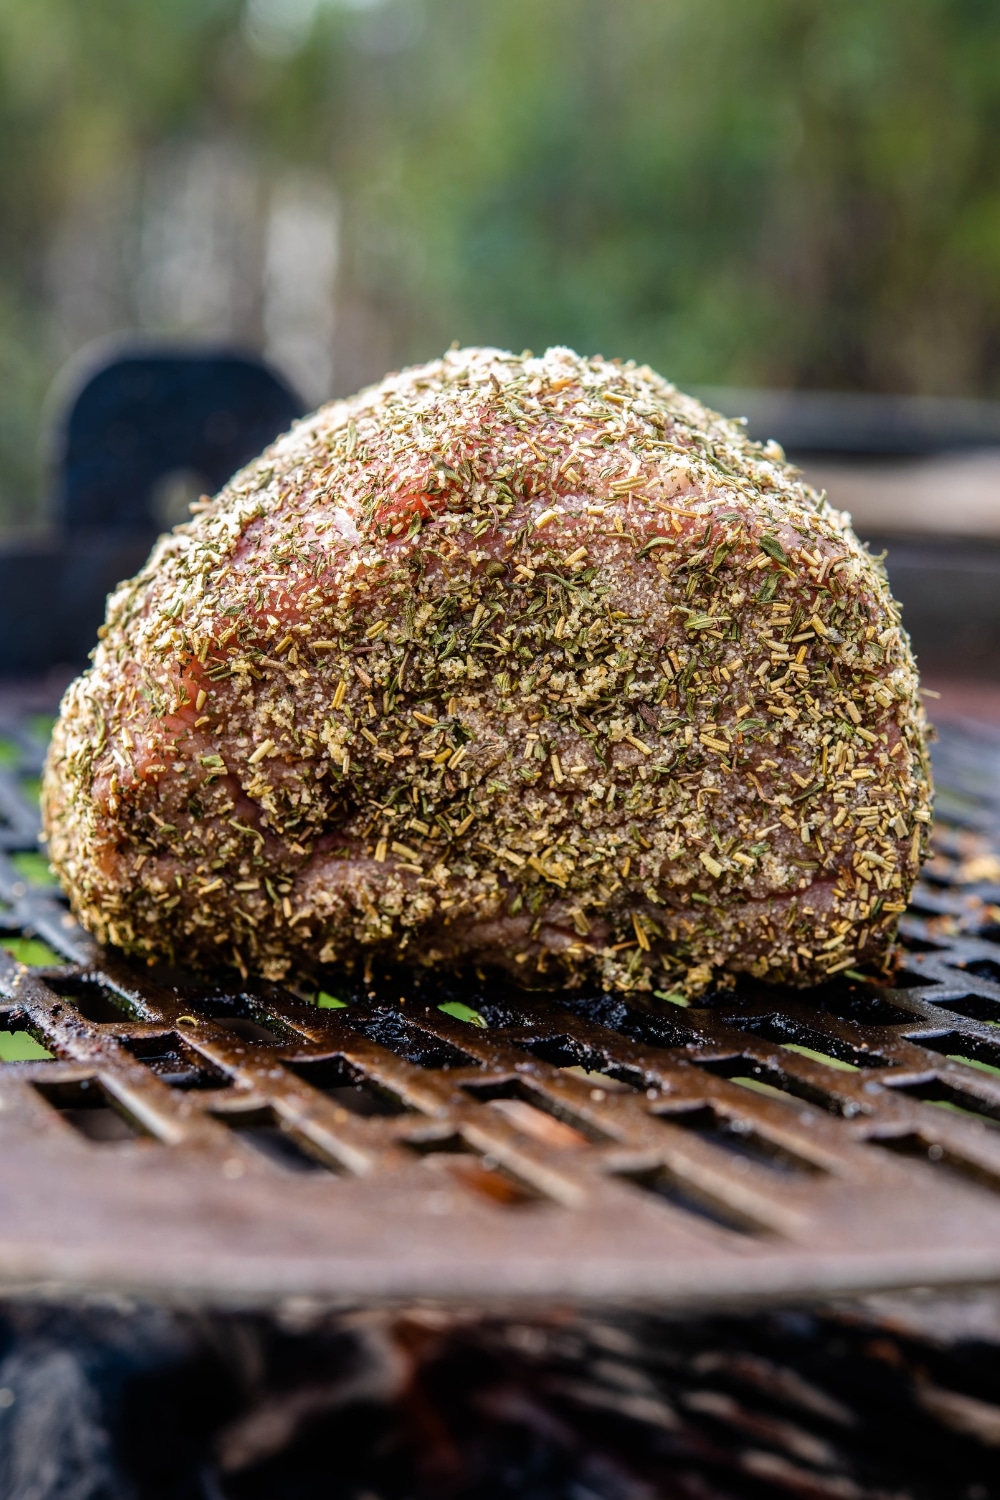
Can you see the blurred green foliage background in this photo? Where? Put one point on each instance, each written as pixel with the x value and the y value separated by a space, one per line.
pixel 779 192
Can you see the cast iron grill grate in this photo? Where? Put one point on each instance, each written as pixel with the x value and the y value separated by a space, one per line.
pixel 246 1145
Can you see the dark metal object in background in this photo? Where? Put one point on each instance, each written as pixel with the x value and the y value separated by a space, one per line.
pixel 131 423
pixel 234 1144
pixel 851 424
pixel 144 415
pixel 949 588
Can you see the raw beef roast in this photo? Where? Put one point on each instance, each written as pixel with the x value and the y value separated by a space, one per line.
pixel 506 661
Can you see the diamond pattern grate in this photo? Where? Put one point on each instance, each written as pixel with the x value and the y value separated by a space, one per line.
pixel 246 1145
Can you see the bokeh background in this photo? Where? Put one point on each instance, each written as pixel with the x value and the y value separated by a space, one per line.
pixel 787 193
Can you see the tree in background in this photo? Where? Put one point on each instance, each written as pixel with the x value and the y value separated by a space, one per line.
pixel 784 192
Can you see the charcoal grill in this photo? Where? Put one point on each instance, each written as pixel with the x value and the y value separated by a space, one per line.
pixel 403 1137
pixel 245 1145
pixel 474 1241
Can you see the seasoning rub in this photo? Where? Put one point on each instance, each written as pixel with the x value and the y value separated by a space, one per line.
pixel 522 661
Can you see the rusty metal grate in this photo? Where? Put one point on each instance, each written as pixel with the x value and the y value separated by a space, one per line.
pixel 243 1145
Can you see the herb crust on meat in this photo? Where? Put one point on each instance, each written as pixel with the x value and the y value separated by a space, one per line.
pixel 531 662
